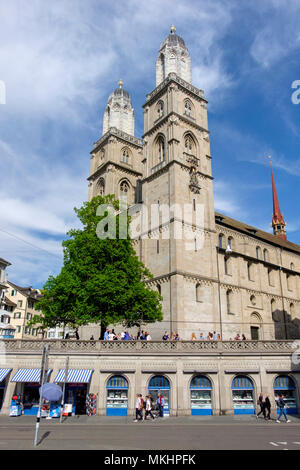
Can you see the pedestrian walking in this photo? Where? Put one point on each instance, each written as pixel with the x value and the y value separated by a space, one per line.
pixel 138 409
pixel 148 407
pixel 281 406
pixel 268 407
pixel 160 403
pixel 261 403
pixel 77 334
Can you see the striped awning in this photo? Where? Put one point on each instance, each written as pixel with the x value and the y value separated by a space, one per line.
pixel 74 376
pixel 3 374
pixel 28 375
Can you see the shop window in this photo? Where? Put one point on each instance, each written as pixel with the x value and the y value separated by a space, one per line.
pixel 117 396
pixel 200 395
pixel 243 395
pixel 285 386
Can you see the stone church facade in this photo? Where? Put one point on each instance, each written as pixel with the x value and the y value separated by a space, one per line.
pixel 222 276
pixel 234 278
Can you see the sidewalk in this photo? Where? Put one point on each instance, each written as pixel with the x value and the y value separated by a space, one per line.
pixel 124 421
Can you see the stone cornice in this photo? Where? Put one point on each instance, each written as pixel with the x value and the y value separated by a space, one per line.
pixel 174 78
pixel 182 117
pixel 166 167
pixel 103 168
pixel 113 131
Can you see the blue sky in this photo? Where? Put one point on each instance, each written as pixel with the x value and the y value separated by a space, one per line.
pixel 61 59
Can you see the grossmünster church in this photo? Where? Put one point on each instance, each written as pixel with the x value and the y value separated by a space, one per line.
pixel 233 278
pixel 222 276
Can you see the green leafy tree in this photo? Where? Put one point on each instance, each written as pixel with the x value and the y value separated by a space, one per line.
pixel 102 280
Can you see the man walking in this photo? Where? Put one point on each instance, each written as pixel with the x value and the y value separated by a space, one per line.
pixel 281 406
pixel 261 403
pixel 268 407
pixel 138 409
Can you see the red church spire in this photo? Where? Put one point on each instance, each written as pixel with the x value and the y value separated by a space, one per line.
pixel 278 222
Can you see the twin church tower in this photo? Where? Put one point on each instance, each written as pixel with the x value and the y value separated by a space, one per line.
pixel 170 166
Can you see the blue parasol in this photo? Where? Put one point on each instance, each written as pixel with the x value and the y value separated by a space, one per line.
pixel 51 392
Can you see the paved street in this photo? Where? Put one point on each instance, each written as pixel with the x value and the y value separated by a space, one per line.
pixel 184 433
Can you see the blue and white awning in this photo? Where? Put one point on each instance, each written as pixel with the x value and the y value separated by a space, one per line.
pixel 28 375
pixel 3 374
pixel 74 376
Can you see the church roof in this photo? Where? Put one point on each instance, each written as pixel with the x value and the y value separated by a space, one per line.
pixel 255 232
pixel 173 40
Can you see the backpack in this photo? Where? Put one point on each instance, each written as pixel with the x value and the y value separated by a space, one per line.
pixel 142 403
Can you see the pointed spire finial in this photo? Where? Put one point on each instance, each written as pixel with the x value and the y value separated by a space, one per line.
pixel 172 29
pixel 120 83
pixel 278 222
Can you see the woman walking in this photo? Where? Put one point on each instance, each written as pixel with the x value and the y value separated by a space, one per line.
pixel 149 407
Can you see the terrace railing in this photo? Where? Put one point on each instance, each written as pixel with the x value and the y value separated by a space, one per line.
pixel 20 346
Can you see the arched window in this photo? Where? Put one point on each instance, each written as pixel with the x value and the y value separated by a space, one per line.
pixel 124 190
pixel 189 144
pixel 198 292
pixel 253 300
pixel 160 109
pixel 161 149
pixel 163 67
pixel 289 282
pixel 292 266
pixel 266 255
pixel 227 265
pixel 270 277
pixel 101 187
pixel 159 289
pixel 255 326
pixel 230 243
pixel 229 301
pixel 188 108
pixel 258 252
pixel 125 155
pixel 292 311
pixel 250 269
pixel 221 237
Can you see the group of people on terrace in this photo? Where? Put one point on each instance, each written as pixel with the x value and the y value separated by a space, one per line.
pixel 110 335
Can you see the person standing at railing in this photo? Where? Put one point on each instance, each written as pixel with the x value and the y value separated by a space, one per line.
pixel 166 336
pixel 106 335
pixel 201 337
pixel 215 336
pixel 193 338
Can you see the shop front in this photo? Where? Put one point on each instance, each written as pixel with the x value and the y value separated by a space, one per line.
pixel 76 390
pixel 243 395
pixel 200 395
pixel 3 380
pixel 285 386
pixel 117 396
pixel 27 389
pixel 160 385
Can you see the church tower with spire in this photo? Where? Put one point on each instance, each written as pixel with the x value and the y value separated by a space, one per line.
pixel 278 222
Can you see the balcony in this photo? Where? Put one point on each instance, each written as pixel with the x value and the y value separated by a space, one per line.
pixel 150 348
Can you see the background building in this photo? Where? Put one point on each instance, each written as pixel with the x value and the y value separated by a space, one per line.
pixel 23 300
pixel 6 306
